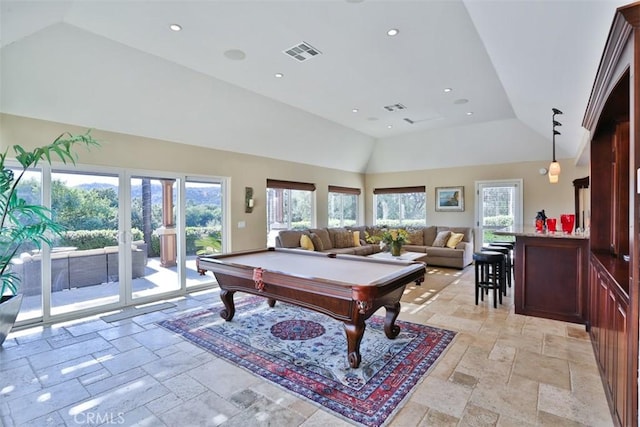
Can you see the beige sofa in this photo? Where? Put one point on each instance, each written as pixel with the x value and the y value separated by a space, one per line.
pixel 336 240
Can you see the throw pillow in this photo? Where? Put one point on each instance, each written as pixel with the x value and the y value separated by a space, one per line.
pixel 317 242
pixel 441 239
pixel 356 238
pixel 415 237
pixel 343 239
pixel 306 243
pixel 454 239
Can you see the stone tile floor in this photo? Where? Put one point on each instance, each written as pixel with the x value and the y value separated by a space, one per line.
pixel 502 370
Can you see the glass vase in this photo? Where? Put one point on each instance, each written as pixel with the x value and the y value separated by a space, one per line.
pixel 396 248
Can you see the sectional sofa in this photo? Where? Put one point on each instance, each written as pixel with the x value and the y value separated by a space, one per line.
pixel 431 240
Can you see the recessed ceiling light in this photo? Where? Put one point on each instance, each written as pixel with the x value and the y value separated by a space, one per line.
pixel 354 110
pixel 469 113
pixel 393 32
pixel 235 54
pixel 279 75
pixel 175 27
pixel 447 89
pixel 461 101
pixel 389 126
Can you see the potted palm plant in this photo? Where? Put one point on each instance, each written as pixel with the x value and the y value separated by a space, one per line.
pixel 22 222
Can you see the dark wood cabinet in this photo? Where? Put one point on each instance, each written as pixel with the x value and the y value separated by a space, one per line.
pixel 609 306
pixel 559 290
pixel 613 120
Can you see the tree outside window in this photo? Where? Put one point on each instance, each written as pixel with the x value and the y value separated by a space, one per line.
pixel 343 206
pixel 289 207
pixel 401 207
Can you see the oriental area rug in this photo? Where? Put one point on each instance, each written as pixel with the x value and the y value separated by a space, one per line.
pixel 306 353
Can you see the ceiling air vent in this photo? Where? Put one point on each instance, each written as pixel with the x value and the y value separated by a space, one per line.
pixel 302 51
pixel 395 107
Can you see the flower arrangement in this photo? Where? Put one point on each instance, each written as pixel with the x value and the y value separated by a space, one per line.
pixel 395 238
pixel 395 235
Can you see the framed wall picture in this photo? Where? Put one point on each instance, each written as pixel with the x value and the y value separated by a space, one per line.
pixel 450 199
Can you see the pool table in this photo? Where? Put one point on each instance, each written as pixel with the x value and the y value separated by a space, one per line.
pixel 349 288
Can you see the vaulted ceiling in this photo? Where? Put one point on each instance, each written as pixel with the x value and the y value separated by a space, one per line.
pixel 462 83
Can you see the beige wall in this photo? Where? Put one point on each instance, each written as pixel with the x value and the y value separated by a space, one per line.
pixel 125 151
pixel 130 152
pixel 538 194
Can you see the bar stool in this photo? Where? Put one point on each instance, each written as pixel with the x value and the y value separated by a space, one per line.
pixel 504 247
pixel 489 274
pixel 512 248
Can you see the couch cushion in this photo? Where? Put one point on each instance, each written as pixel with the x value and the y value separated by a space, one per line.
pixel 347 251
pixel 343 239
pixel 362 234
pixel 467 231
pixel 290 238
pixel 356 238
pixel 441 239
pixel 365 250
pixel 444 253
pixel 454 239
pixel 306 243
pixel 332 233
pixel 323 234
pixel 415 248
pixel 429 234
pixel 317 242
pixel 415 236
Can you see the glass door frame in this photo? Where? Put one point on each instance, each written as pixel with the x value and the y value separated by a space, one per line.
pixel 124 239
pixel 519 204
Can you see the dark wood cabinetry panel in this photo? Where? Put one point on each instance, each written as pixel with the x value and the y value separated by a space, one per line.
pixel 613 118
pixel 610 336
pixel 559 290
pixel 620 190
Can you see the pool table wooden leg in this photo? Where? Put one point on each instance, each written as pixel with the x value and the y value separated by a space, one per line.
pixel 229 311
pixel 354 337
pixel 391 330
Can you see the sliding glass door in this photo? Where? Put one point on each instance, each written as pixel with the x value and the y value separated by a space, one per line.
pixel 128 239
pixel 83 261
pixel 203 225
pixel 154 256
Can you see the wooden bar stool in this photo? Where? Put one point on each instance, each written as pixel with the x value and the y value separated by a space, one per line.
pixel 489 274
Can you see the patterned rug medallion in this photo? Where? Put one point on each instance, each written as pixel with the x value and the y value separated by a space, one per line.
pixel 306 353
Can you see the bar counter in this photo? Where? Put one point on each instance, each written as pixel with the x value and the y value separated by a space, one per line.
pixel 551 274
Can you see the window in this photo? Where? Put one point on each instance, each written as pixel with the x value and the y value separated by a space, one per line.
pixel 343 206
pixel 401 206
pixel 289 207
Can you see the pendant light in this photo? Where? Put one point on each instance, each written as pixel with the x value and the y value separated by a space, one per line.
pixel 554 167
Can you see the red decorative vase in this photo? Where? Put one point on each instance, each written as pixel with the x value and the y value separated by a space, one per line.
pixel 568 221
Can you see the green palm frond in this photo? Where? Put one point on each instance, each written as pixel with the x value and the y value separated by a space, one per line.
pixel 21 222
